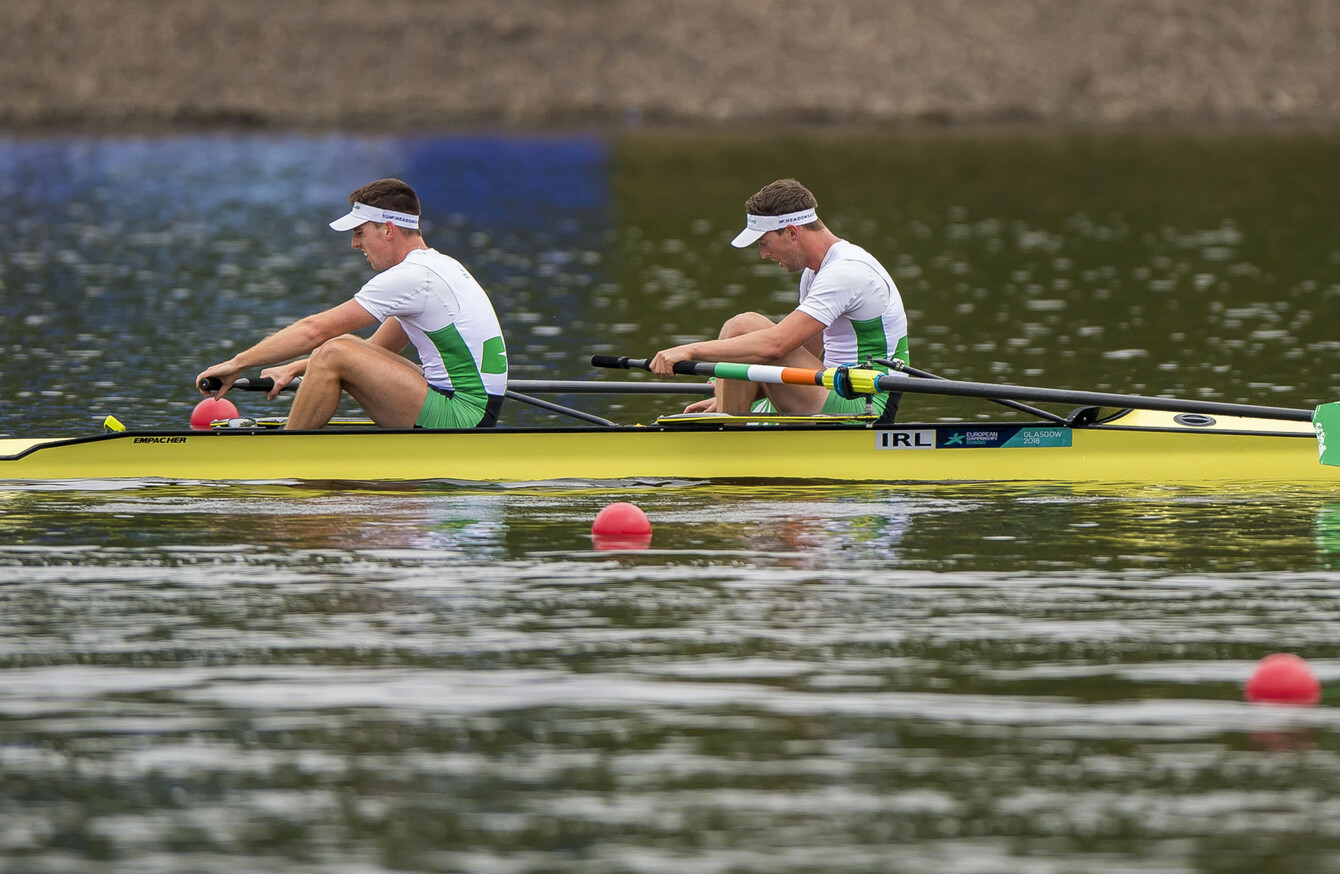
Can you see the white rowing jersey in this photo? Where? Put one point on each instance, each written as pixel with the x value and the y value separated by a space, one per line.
pixel 860 307
pixel 447 316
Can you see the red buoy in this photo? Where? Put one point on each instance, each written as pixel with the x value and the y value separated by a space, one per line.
pixel 1283 678
pixel 622 519
pixel 621 526
pixel 210 410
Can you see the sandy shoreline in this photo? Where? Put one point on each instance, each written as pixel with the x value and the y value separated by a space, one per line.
pixel 146 65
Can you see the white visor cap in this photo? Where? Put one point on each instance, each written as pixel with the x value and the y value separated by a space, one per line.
pixel 363 213
pixel 758 225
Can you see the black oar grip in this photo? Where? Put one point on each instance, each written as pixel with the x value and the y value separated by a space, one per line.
pixel 620 362
pixel 261 383
pixel 623 362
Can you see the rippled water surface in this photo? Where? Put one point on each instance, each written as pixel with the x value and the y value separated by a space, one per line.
pixel 225 678
pixel 283 677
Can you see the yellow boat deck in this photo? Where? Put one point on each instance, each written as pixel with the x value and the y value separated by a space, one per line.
pixel 1139 448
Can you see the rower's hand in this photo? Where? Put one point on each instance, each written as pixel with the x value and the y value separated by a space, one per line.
pixel 664 362
pixel 283 375
pixel 226 372
pixel 706 405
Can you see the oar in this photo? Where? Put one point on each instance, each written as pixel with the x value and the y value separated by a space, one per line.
pixel 1049 416
pixel 260 383
pixel 855 381
pixel 559 408
pixel 542 386
pixel 555 386
pixel 604 387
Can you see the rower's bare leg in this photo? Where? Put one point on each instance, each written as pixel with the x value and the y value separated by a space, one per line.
pixel 737 396
pixel 389 387
pixel 738 393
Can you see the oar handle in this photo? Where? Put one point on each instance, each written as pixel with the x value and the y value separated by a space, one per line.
pixel 623 362
pixel 620 362
pixel 260 383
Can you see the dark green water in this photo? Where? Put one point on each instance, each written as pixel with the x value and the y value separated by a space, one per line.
pixel 969 679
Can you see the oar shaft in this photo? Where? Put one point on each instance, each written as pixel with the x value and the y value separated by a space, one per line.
pixel 1083 398
pixel 749 372
pixel 541 386
pixel 956 388
pixel 598 387
pixel 558 408
pixel 1012 405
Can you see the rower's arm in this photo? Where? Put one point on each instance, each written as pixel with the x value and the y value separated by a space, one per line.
pixel 293 341
pixel 390 335
pixel 756 347
pixel 815 345
pixel 770 344
pixel 305 335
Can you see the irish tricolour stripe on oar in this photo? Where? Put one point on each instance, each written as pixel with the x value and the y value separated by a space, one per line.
pixel 770 374
pixel 761 373
pixel 1327 422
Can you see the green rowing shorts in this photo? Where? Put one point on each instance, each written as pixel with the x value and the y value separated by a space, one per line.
pixel 835 405
pixel 445 409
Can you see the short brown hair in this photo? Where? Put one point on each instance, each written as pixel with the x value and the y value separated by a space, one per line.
pixel 389 194
pixel 782 197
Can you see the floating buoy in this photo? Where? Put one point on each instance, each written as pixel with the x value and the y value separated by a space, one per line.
pixel 621 525
pixel 1283 678
pixel 622 519
pixel 209 410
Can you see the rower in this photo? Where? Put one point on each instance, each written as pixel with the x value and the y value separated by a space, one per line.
pixel 850 311
pixel 420 296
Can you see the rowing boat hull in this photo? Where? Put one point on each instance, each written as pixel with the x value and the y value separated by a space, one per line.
pixel 1147 448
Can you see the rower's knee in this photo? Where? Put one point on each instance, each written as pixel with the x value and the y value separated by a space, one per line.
pixel 335 352
pixel 744 323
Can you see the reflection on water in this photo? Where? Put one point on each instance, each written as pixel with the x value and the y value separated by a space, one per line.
pixel 287 678
pixel 1328 535
pixel 968 528
pixel 973 678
